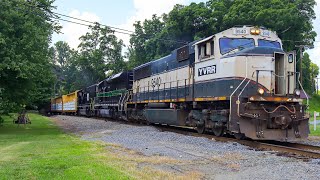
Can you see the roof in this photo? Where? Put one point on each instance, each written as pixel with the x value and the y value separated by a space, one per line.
pixel 203 40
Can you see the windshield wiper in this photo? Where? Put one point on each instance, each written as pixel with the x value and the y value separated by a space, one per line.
pixel 232 49
pixel 238 47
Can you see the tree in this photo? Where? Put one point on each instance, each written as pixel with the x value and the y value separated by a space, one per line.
pixel 62 53
pixel 63 65
pixel 25 34
pixel 310 72
pixel 143 43
pixel 190 22
pixel 99 53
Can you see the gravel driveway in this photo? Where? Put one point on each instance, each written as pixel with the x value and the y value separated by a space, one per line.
pixel 211 159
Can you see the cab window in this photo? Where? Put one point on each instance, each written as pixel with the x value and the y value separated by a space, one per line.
pixel 228 45
pixel 206 49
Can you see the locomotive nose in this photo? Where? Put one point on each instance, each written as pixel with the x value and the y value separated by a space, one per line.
pixel 282 121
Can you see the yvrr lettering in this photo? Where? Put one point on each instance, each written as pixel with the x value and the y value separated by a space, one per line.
pixel 207 70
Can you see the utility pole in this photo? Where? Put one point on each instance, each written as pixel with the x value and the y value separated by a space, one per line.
pixel 317 85
pixel 301 48
pixel 301 57
pixel 313 81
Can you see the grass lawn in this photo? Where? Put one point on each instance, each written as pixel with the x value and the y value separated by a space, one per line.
pixel 42 151
pixel 314 104
pixel 316 132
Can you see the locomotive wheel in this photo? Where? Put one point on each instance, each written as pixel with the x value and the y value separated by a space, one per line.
pixel 218 131
pixel 201 128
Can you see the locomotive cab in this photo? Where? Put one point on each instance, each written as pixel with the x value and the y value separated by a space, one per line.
pixel 248 68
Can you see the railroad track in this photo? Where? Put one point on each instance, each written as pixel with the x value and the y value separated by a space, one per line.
pixel 291 149
pixel 296 150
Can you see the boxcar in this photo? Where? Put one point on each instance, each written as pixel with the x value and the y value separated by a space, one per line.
pixel 57 105
pixel 70 102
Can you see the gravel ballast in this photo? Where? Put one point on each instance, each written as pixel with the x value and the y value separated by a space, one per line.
pixel 214 160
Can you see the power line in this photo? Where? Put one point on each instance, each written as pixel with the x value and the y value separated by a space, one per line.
pixel 60 19
pixel 168 40
pixel 88 25
pixel 91 22
pixel 59 14
pixel 111 27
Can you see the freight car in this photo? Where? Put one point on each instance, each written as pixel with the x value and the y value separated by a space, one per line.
pixel 239 81
pixel 56 105
pixel 70 103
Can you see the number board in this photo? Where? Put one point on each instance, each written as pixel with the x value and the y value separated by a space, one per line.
pixel 240 31
pixel 265 33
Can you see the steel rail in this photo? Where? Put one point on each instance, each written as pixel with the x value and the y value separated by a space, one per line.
pixel 295 149
pixel 297 145
pixel 281 148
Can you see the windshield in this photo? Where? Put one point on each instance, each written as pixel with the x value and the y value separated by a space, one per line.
pixel 266 43
pixel 229 44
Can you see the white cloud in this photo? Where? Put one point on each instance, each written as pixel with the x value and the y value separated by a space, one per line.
pixel 72 32
pixel 315 53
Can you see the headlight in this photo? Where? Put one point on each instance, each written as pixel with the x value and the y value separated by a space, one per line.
pixel 297 92
pixel 255 31
pixel 260 91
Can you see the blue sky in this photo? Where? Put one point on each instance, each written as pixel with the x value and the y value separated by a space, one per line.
pixel 112 12
pixel 123 13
